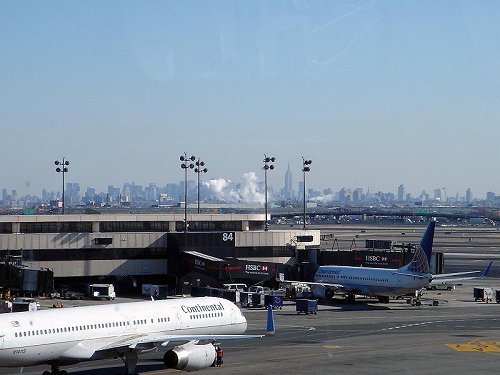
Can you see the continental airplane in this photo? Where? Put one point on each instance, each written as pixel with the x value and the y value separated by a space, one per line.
pixel 188 327
pixel 380 282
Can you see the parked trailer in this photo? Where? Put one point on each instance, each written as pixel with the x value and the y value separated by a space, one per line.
pixel 307 306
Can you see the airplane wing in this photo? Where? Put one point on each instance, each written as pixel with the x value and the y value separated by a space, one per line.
pixel 86 349
pixel 410 275
pixel 164 340
pixel 449 277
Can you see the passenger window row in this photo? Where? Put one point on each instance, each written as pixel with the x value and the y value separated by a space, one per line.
pixel 204 316
pixel 51 331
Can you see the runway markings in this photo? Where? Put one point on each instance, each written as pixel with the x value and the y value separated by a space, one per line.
pixel 332 347
pixel 483 346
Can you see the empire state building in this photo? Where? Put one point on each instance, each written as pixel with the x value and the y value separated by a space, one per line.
pixel 288 184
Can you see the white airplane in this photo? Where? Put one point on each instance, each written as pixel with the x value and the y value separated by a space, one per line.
pixel 380 282
pixel 59 337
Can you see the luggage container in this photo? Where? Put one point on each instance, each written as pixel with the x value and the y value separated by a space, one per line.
pixel 232 295
pixel 483 294
pixel 245 299
pixel 497 295
pixel 306 306
pixel 257 300
pixel 274 301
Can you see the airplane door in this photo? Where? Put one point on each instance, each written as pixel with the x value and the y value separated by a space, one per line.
pixel 1 342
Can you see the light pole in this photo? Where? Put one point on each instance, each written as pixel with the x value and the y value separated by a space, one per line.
pixel 305 168
pixel 186 164
pixel 268 164
pixel 63 169
pixel 199 169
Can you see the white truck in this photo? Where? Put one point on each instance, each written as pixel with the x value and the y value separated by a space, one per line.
pixel 101 291
pixel 25 304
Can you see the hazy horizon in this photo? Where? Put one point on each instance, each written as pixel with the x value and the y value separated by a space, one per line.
pixel 376 93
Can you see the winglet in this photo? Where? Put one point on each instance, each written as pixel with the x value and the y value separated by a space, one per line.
pixel 487 270
pixel 270 321
pixel 428 239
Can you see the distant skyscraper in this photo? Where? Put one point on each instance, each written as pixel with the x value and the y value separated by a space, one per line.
pixel 401 193
pixel 468 195
pixel 288 183
pixel 437 193
pixel 490 196
pixel 72 193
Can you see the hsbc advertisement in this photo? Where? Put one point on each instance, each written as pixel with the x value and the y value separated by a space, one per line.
pixel 258 269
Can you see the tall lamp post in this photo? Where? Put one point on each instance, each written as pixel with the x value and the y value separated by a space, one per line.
pixel 199 169
pixel 186 164
pixel 62 167
pixel 268 164
pixel 305 168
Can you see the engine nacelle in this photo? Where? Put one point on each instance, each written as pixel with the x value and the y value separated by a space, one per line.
pixel 323 292
pixel 190 357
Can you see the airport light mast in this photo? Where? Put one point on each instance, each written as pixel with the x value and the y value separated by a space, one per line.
pixel 62 169
pixel 305 168
pixel 186 164
pixel 268 164
pixel 199 169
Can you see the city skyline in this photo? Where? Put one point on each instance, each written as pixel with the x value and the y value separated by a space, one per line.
pixel 375 93
pixel 249 190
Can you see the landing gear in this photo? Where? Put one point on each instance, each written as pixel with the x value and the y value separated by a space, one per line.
pixel 130 361
pixel 383 299
pixel 54 370
pixel 350 298
pixel 329 294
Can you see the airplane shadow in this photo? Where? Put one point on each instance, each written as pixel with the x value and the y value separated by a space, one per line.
pixel 118 369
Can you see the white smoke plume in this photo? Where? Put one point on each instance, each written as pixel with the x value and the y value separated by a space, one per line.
pixel 323 199
pixel 247 192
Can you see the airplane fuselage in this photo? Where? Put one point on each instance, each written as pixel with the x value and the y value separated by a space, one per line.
pixel 70 335
pixel 372 281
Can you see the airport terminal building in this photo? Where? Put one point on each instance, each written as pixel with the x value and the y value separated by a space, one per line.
pixel 153 248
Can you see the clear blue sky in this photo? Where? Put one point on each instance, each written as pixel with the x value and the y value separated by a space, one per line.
pixel 376 93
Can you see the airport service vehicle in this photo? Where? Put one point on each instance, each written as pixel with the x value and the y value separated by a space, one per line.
pixel 101 291
pixel 187 327
pixel 25 304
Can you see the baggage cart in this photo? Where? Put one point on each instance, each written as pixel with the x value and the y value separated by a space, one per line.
pixel 257 300
pixel 307 306
pixel 245 299
pixel 483 294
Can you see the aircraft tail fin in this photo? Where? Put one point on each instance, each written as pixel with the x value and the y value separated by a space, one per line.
pixel 487 270
pixel 428 239
pixel 422 257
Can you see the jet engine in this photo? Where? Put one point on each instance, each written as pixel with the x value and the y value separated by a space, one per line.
pixel 190 357
pixel 323 292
